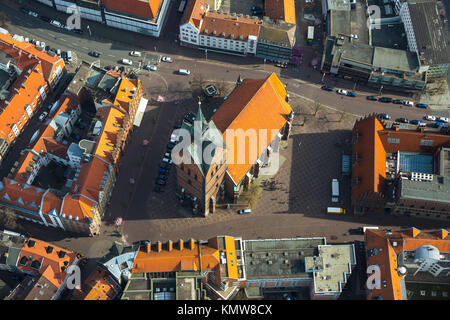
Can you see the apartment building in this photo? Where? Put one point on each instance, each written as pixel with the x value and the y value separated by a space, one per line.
pixel 83 140
pixel 144 17
pixel 400 169
pixel 412 264
pixel 27 75
pixel 207 28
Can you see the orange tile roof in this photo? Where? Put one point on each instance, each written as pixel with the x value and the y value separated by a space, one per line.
pixel 193 13
pixel 47 260
pixel 99 286
pixel 27 193
pixel 187 259
pixel 372 147
pixel 281 9
pixel 20 97
pixel 142 8
pixel 23 51
pixel 89 179
pixel 258 105
pixel 237 26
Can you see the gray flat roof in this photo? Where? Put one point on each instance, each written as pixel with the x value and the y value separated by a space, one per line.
pixel 343 5
pixel 339 22
pixel 444 168
pixel 279 258
pixel 437 190
pixel 429 32
pixel 395 59
pixel 357 52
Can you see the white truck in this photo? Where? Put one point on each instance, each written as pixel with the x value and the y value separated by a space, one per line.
pixel 335 190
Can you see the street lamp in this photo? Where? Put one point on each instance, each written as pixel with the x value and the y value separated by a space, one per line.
pixel 155 48
pixel 323 77
pixel 206 54
pixel 264 64
pixel 379 92
pixel 89 29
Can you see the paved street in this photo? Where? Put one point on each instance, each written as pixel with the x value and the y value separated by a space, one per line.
pixel 310 160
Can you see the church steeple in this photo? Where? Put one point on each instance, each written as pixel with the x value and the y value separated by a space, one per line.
pixel 200 118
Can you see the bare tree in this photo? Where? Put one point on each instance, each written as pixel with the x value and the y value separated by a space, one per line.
pixel 8 220
pixel 222 88
pixel 316 107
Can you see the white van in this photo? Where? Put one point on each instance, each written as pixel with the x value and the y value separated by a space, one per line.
pixel 184 71
pixel 56 23
pixel 135 53
pixel 366 228
pixel 126 61
pixel 334 190
pixel 166 160
pixel 69 56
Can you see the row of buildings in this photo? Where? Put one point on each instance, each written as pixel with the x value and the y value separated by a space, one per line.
pixel 408 264
pixel 145 17
pixel 27 76
pixel 208 27
pixel 43 271
pixel 65 176
pixel 383 64
pixel 400 169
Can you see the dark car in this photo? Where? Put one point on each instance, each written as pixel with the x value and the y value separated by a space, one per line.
pixel 170 146
pixel 158 189
pixel 161 182
pixel 190 115
pixel 397 101
pixel 79 31
pixel 403 120
pixel 372 98
pixel 64 55
pixel 94 54
pixel 351 94
pixel 164 166
pixel 161 177
pixel 422 105
pixel 46 19
pixel 385 116
pixel 257 12
pixel 24 10
pixel 255 8
pixel 177 126
pixel 163 171
pixel 47 48
pixel 418 122
pixel 109 67
pixel 385 99
pixel 327 88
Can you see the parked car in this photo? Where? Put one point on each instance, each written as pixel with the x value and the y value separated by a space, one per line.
pixel 420 123
pixel 397 101
pixel 24 10
pixel 79 31
pixel 64 55
pixel 342 92
pixel 403 120
pixel 163 171
pixel 47 48
pixel 443 119
pixel 170 146
pixel 56 23
pixel 385 99
pixel 372 98
pixel 46 19
pixel 422 105
pixel 408 103
pixel 177 126
pixel 354 36
pixel 256 8
pixel 430 118
pixel 164 165
pixel 158 189
pixel 257 12
pixel 161 177
pixel 327 88
pixel 94 54
pixel 185 72
pixel 166 59
pixel 63 26
pixel 150 67
pixel 109 67
pixel 438 124
pixel 43 115
pixel 33 14
pixel 58 52
pixel 281 65
pixel 127 62
pixel 385 116
pixel 351 94
pixel 166 160
pixel 161 182
pixel 245 211
pixel 135 53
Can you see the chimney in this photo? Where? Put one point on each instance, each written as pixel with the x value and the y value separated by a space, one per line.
pixel 169 245
pixel 159 246
pixel 148 247
pixel 181 245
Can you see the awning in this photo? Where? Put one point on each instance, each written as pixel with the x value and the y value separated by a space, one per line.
pixel 140 112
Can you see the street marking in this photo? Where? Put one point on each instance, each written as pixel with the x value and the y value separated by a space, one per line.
pixel 111 55
pixel 62 39
pixel 85 48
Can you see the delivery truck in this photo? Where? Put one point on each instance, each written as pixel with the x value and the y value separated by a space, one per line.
pixel 332 210
pixel 310 36
pixel 334 190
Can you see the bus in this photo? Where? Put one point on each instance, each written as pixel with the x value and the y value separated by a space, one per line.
pixel 182 5
pixel 310 37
